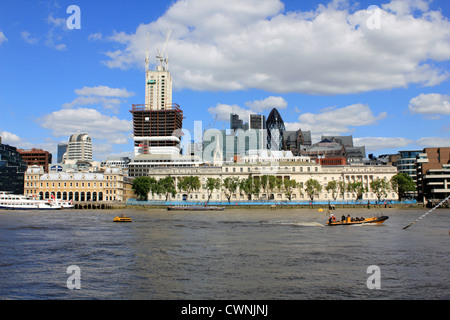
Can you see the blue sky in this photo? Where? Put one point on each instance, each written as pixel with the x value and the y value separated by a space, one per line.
pixel 376 70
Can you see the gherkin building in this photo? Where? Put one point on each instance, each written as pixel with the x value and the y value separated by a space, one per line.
pixel 275 130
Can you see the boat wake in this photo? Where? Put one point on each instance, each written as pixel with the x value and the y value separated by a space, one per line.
pixel 301 224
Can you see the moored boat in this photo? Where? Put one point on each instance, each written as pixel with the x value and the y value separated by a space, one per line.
pixel 21 202
pixel 351 221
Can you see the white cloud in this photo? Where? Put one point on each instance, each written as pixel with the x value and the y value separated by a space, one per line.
pixel 235 44
pixel 104 91
pixel 404 7
pixel 58 28
pixel 433 105
pixel 65 122
pixel 95 36
pixel 26 36
pixel 223 112
pixel 10 138
pixel 108 98
pixel 432 142
pixel 57 22
pixel 373 144
pixel 255 107
pixel 2 37
pixel 336 121
pixel 267 104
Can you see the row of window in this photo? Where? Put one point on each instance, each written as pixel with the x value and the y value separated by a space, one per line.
pixel 71 184
pixel 78 196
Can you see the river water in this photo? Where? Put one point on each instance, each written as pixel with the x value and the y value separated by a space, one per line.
pixel 257 254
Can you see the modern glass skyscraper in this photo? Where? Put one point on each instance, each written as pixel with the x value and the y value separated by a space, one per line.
pixel 275 130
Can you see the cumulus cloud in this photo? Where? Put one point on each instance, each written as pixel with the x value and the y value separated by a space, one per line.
pixel 430 142
pixel 222 111
pixel 108 98
pixel 65 122
pixel 10 138
pixel 267 104
pixel 433 105
pixel 336 121
pixel 235 44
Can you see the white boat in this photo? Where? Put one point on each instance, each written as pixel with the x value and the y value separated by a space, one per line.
pixel 22 202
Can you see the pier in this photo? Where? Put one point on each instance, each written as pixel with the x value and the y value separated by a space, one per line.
pixel 94 205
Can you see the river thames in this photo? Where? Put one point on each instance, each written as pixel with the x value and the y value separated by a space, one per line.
pixel 236 254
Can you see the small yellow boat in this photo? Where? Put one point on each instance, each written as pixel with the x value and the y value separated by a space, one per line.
pixel 122 218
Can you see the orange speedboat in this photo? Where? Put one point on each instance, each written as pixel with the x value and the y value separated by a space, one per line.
pixel 349 221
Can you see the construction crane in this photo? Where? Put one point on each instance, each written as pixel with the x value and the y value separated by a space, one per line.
pixel 163 57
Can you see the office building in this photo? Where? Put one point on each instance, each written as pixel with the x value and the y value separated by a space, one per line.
pixel 275 130
pixel 37 157
pixel 433 175
pixel 12 169
pixel 79 147
pixel 62 149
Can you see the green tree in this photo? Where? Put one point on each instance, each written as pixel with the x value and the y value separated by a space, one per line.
pixel 189 184
pixel 264 181
pixel 141 187
pixel 256 189
pixel 402 183
pixel 379 187
pixel 246 186
pixel 341 188
pixel 211 185
pixel 312 187
pixel 230 186
pixel 333 187
pixel 289 186
pixel 271 185
pixel 166 186
pixel 357 188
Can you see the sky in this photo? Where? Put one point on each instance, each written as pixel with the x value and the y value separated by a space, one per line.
pixel 376 70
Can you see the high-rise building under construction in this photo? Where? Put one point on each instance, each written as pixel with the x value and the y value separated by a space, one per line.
pixel 157 124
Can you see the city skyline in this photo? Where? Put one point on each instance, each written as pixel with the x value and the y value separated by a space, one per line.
pixel 376 70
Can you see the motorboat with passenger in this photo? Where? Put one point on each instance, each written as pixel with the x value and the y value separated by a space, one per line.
pixel 347 221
